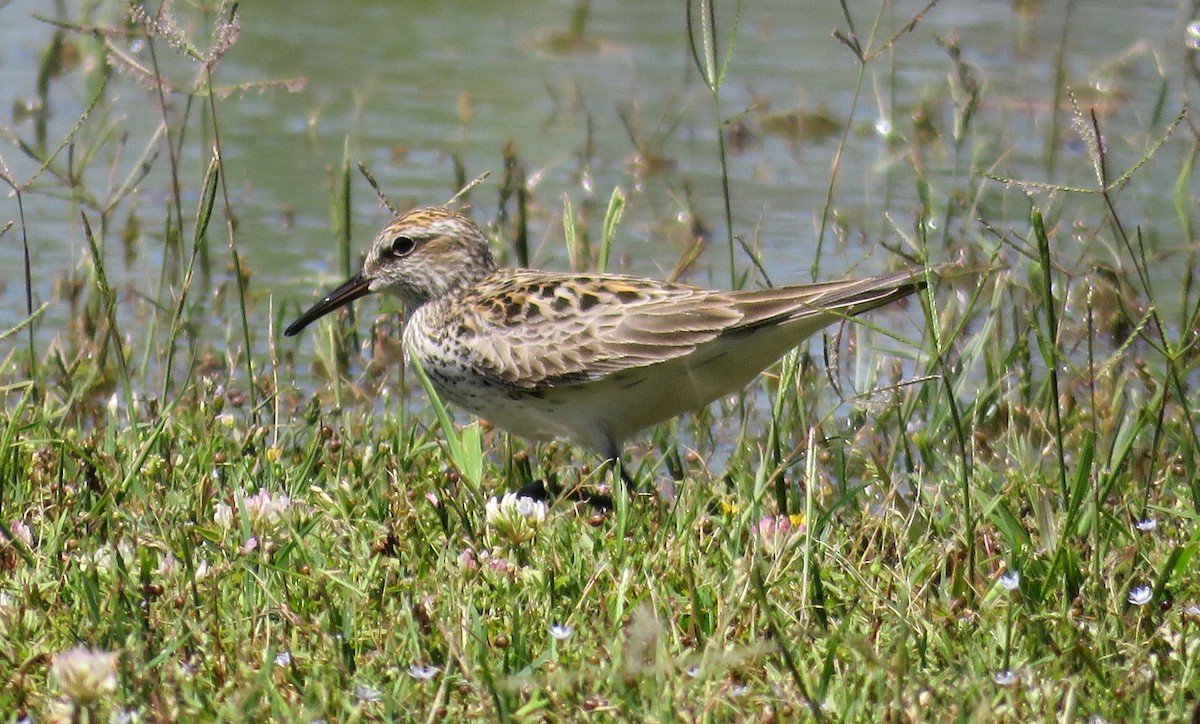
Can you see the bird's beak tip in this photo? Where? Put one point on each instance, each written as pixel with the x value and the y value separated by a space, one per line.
pixel 353 288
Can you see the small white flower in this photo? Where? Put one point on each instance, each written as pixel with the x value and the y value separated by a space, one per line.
pixel 739 690
pixel 85 675
pixel 1192 611
pixel 1146 525
pixel 1005 677
pixel 1140 595
pixel 514 518
pixel 423 673
pixel 368 694
pixel 266 511
pixel 283 659
pixel 1010 579
pixel 223 515
pixel 693 671
pixel 561 631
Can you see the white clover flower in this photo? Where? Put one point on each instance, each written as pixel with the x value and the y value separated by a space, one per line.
pixel 85 676
pixel 223 515
pixel 266 511
pixel 777 532
pixel 515 519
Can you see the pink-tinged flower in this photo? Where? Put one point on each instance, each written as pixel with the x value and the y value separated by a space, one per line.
pixel 777 532
pixel 20 531
pixel 466 560
pixel 266 511
pixel 85 676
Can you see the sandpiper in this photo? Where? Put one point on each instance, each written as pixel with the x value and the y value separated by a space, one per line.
pixel 593 358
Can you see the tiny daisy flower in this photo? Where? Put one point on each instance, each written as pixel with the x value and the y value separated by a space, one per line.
pixel 85 676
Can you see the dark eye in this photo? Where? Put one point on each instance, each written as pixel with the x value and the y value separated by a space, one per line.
pixel 402 246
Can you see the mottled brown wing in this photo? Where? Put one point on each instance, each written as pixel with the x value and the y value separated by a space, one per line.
pixel 540 329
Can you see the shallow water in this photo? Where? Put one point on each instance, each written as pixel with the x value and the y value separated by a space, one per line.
pixel 412 84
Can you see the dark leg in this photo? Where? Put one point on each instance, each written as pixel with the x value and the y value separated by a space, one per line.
pixel 625 478
pixel 550 491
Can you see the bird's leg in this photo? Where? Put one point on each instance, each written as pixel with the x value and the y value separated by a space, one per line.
pixel 621 474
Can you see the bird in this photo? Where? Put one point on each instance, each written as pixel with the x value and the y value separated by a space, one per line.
pixel 592 358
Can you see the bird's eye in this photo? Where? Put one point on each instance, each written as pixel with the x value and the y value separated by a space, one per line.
pixel 402 246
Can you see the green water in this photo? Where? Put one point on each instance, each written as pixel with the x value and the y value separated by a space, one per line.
pixel 409 85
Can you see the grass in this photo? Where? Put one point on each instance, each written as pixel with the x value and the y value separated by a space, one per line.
pixel 995 518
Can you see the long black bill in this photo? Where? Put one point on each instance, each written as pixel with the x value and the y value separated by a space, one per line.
pixel 355 287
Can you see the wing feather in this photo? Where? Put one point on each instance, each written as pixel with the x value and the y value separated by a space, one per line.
pixel 534 330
